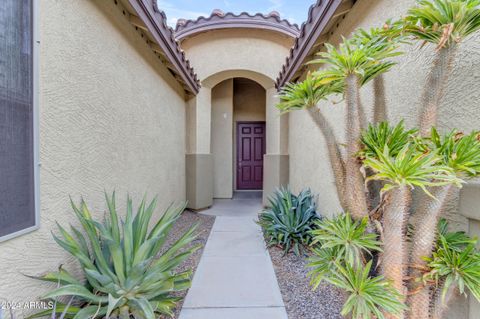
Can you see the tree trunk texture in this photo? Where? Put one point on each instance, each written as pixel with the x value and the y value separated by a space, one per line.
pixel 395 220
pixel 354 180
pixel 380 112
pixel 437 80
pixel 439 306
pixel 334 153
pixel 425 230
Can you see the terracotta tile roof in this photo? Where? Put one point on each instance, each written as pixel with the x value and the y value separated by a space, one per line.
pixel 322 17
pixel 146 15
pixel 220 20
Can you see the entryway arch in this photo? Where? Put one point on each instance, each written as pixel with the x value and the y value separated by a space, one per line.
pixel 211 139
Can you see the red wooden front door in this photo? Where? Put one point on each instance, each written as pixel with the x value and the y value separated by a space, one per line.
pixel 250 151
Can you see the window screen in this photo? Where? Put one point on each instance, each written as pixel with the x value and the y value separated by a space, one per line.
pixel 17 186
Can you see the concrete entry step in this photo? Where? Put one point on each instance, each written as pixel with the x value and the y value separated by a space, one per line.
pixel 235 276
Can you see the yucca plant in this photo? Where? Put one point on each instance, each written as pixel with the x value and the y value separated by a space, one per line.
pixel 461 153
pixel 367 297
pixel 347 238
pixel 128 270
pixel 408 169
pixel 379 136
pixel 445 23
pixel 454 266
pixel 340 247
pixel 289 219
pixel 354 65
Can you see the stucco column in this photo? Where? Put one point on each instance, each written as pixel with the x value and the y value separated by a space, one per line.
pixel 276 165
pixel 199 160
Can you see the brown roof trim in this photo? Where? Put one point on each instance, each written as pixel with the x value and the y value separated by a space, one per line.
pixel 155 22
pixel 319 15
pixel 220 20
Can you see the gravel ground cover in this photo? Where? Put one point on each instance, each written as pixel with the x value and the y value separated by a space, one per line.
pixel 186 220
pixel 300 301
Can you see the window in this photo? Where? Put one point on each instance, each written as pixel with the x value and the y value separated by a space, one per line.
pixel 17 119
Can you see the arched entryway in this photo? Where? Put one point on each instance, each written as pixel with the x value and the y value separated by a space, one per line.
pixel 238 136
pixel 233 105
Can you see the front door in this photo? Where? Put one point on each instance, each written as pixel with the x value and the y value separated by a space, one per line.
pixel 250 151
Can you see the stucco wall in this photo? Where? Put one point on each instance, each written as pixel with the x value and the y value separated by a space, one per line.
pixel 237 49
pixel 308 158
pixel 111 117
pixel 222 136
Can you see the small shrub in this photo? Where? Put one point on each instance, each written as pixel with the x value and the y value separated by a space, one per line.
pixel 289 220
pixel 340 247
pixel 128 270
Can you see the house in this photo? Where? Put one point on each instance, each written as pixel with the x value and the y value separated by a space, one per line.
pixel 102 94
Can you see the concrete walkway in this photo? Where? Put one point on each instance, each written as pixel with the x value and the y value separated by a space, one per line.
pixel 235 277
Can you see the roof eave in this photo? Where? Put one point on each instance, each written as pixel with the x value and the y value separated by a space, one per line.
pixel 153 19
pixel 316 23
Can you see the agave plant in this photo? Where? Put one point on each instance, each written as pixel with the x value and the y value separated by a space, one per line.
pixel 128 270
pixel 289 220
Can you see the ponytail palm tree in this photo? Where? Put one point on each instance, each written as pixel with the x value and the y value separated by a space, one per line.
pixel 444 23
pixel 407 170
pixel 355 64
pixel 461 153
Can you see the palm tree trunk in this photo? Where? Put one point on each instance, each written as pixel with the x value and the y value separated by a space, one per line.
pixel 354 180
pixel 395 220
pixel 439 306
pixel 437 80
pixel 334 153
pixel 380 100
pixel 430 211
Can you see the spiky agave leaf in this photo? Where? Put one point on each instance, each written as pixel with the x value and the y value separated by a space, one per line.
pixel 289 219
pixel 347 238
pixel 443 22
pixel 127 267
pixel 368 297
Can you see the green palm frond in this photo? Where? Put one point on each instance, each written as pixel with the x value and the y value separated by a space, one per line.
pixel 367 297
pixel 459 151
pixel 347 238
pixel 352 57
pixel 306 94
pixel 125 263
pixel 289 219
pixel 410 168
pixel 378 136
pixel 443 22
pixel 455 262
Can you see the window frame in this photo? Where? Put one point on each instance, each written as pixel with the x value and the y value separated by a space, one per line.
pixel 35 125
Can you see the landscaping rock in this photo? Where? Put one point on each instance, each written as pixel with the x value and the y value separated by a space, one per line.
pixel 300 301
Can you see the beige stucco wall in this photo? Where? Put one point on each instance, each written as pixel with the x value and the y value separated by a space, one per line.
pixel 309 162
pixel 111 117
pixel 222 136
pixel 237 49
